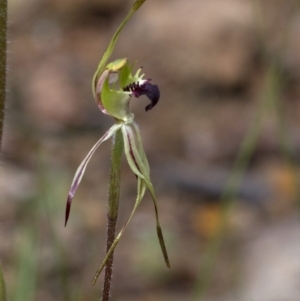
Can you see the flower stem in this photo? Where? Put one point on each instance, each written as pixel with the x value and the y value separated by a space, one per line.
pixel 3 33
pixel 113 206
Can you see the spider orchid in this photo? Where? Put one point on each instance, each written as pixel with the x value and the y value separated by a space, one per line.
pixel 113 88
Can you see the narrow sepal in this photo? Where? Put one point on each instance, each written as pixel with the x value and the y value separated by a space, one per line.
pixel 139 146
pixel 163 246
pixel 138 163
pixel 141 191
pixel 81 169
pixel 129 146
pixel 138 4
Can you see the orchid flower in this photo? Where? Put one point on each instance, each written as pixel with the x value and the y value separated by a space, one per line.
pixel 113 86
pixel 113 89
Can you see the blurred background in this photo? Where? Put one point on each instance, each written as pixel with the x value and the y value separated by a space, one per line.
pixel 229 73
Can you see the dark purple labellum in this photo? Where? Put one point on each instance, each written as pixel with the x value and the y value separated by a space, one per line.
pixel 151 91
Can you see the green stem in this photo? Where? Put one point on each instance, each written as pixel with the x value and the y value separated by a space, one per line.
pixel 3 32
pixel 113 206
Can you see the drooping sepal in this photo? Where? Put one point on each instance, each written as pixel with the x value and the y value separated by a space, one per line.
pixel 81 169
pixel 138 163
